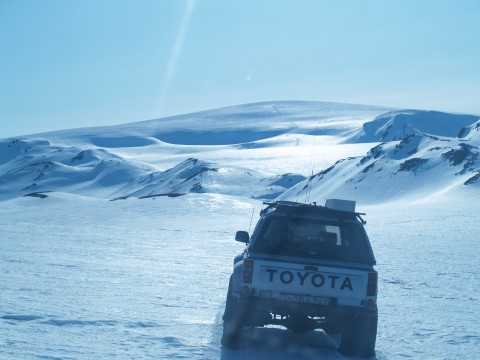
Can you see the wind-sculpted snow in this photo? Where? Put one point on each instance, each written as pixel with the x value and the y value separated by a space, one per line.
pixel 396 125
pixel 12 149
pixel 475 179
pixel 217 137
pixel 227 126
pixel 36 168
pixel 122 141
pixel 195 176
pixel 471 132
pixel 39 166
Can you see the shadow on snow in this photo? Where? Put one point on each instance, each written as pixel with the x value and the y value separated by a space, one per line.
pixel 281 344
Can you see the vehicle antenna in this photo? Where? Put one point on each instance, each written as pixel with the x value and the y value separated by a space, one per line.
pixel 312 162
pixel 251 219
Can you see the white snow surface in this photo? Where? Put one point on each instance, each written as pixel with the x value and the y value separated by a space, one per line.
pixel 145 276
pixel 87 278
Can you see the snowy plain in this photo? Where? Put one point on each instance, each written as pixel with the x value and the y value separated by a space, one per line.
pixel 140 278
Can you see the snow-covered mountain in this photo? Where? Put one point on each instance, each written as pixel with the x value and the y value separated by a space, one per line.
pixel 396 125
pixel 201 152
pixel 420 155
pixel 146 277
pixel 417 165
pixel 305 151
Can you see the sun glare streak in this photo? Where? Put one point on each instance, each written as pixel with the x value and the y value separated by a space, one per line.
pixel 174 55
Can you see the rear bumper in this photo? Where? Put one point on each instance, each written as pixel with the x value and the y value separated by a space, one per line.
pixel 283 308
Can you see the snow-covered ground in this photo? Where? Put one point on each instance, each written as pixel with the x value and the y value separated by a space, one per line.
pixel 86 278
pixel 145 276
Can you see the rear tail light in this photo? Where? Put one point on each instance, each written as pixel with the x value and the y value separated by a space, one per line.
pixel 247 271
pixel 372 284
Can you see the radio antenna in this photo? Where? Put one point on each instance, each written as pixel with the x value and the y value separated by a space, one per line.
pixel 251 219
pixel 312 162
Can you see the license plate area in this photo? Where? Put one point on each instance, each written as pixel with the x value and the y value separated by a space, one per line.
pixel 305 299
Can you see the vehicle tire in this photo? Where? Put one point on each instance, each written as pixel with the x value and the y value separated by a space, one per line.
pixel 358 336
pixel 332 327
pixel 234 319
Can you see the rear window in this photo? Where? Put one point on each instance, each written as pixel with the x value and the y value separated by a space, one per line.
pixel 308 238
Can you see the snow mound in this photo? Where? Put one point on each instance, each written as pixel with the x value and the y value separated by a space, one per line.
pixel 247 123
pixel 13 148
pixel 258 121
pixel 197 176
pixel 38 166
pixel 471 132
pixel 122 141
pixel 396 125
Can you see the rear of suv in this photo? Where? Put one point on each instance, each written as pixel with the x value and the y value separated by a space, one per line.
pixel 306 267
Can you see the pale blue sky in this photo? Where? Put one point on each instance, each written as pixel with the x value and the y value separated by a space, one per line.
pixel 77 63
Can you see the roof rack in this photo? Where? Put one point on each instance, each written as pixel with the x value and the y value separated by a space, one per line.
pixel 313 205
